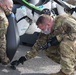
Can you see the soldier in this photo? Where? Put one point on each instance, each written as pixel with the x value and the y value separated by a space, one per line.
pixel 63 28
pixel 5 9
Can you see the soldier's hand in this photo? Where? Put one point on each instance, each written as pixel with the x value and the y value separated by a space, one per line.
pixel 15 63
pixel 6 4
pixel 22 59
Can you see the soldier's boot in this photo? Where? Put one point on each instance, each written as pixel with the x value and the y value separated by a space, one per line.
pixel 61 73
pixel 3 58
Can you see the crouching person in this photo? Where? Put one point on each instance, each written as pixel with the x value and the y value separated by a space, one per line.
pixel 63 29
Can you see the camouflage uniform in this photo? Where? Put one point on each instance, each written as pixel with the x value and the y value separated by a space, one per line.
pixel 65 29
pixel 3 29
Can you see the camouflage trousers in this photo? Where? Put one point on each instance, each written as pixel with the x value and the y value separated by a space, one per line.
pixel 68 56
pixel 64 53
pixel 3 30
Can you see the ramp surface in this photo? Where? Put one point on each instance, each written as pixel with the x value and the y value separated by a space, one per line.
pixel 40 65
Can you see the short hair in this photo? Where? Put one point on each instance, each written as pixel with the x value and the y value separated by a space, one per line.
pixel 42 19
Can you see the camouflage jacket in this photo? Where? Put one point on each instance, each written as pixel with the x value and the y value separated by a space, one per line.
pixel 65 27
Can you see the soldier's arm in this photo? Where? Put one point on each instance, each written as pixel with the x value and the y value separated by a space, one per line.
pixel 32 53
pixel 36 47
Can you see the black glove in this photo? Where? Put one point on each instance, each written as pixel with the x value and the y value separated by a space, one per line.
pixel 51 42
pixel 15 63
pixel 22 60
